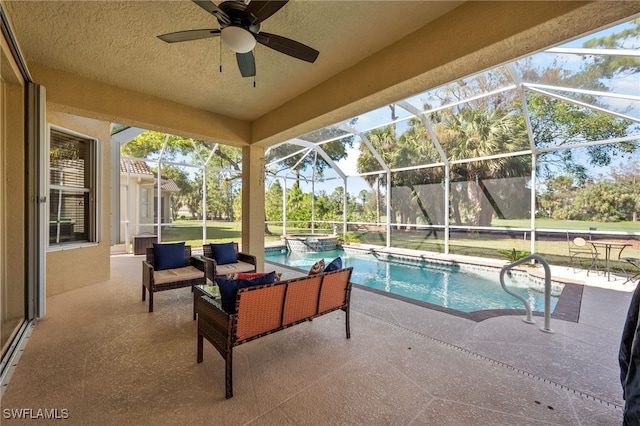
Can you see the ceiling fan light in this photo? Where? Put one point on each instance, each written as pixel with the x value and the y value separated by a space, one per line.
pixel 238 39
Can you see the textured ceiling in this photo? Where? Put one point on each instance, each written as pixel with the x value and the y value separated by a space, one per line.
pixel 115 42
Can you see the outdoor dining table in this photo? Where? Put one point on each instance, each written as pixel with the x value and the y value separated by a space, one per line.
pixel 608 245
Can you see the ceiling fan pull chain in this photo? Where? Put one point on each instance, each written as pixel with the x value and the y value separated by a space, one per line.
pixel 220 54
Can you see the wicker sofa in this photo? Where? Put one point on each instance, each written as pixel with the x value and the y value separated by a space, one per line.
pixel 267 308
pixel 153 280
pixel 245 263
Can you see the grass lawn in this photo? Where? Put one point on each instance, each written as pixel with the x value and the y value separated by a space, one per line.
pixel 190 231
pixel 573 225
pixel 463 243
pixel 555 251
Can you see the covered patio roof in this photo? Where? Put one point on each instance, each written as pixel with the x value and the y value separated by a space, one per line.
pixel 371 53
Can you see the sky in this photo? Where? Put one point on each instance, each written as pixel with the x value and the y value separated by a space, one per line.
pixel 629 84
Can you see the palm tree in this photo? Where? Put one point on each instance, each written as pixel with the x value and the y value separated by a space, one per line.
pixel 383 141
pixel 463 134
pixel 474 133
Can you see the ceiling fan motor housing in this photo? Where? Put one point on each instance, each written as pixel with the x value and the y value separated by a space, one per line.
pixel 240 30
pixel 235 10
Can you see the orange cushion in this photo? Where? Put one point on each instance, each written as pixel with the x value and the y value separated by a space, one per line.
pixel 317 267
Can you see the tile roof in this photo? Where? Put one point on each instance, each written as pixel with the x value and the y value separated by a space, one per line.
pixel 136 167
pixel 170 185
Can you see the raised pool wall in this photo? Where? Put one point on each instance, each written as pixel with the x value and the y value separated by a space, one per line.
pixel 311 243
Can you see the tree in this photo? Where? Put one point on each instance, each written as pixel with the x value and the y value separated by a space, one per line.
pixel 223 183
pixel 599 68
pixel 193 199
pixel 556 123
pixel 557 194
pixel 383 141
pixel 559 123
pixel 604 201
pixel 149 144
pixel 221 193
pixel 475 133
pixel 223 170
pixel 463 134
pixel 336 150
pixel 299 207
pixel 336 203
pixel 181 179
pixel 322 207
pixel 629 175
pixel 611 199
pixel 273 202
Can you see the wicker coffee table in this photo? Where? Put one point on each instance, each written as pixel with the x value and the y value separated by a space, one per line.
pixel 203 290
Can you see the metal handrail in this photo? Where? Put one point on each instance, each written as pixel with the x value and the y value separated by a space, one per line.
pixel 547 291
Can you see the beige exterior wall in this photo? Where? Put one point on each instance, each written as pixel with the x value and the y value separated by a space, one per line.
pixel 77 95
pixel 81 266
pixel 135 183
pixel 253 215
pixel 134 199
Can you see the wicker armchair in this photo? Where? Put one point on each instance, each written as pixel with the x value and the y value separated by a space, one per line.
pixel 246 263
pixel 192 273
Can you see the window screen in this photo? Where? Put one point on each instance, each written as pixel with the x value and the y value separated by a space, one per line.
pixel 71 189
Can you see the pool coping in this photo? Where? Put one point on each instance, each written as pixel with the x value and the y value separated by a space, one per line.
pixel 567 307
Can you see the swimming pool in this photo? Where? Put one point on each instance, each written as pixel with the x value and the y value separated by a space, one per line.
pixel 465 289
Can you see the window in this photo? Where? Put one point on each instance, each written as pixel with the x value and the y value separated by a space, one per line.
pixel 72 189
pixel 144 203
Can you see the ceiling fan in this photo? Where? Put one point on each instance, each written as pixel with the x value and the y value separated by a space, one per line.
pixel 240 30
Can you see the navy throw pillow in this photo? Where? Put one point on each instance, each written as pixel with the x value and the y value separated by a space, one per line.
pixel 229 288
pixel 224 253
pixel 168 256
pixel 334 265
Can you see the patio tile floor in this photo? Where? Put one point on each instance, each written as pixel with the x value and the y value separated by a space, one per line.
pixel 102 357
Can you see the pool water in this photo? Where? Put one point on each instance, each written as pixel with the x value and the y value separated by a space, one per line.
pixel 449 286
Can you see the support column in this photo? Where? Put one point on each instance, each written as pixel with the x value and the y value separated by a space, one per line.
pixel 253 213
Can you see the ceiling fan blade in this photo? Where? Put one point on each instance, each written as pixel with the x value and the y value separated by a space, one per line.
pixel 220 14
pixel 189 35
pixel 290 47
pixel 262 10
pixel 247 64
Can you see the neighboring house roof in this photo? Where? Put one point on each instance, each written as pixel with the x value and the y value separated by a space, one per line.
pixel 170 185
pixel 139 167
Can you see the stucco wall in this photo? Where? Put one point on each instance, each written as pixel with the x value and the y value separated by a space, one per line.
pixel 134 205
pixel 81 266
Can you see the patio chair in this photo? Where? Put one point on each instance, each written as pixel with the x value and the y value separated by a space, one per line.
pixel 224 259
pixel 168 267
pixel 578 248
pixel 635 263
